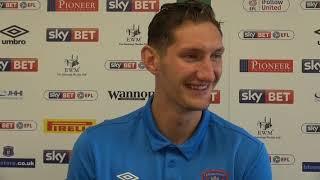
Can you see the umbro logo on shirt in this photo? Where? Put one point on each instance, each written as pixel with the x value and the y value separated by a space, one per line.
pixel 127 176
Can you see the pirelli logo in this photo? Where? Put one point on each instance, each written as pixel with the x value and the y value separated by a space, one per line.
pixel 69 126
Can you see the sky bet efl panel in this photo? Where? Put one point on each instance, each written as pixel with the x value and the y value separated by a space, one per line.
pixel 66 65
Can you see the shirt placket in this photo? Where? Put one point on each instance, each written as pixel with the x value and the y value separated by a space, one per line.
pixel 172 164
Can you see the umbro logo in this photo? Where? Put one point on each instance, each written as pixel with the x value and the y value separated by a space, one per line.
pixel 317 31
pixel 127 176
pixel 14 31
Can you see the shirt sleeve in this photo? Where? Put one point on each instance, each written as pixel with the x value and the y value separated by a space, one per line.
pixel 261 168
pixel 81 165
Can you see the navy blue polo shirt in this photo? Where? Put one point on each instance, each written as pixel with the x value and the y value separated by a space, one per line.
pixel 131 147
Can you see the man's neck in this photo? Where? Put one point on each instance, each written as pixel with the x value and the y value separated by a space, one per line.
pixel 175 124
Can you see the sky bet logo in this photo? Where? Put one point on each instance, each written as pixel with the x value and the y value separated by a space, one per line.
pixel 18 64
pixel 310 65
pixel 70 95
pixel 72 34
pixel 56 156
pixel 266 65
pixel 266 34
pixel 19 5
pixel 131 65
pixel 132 5
pixel 73 5
pixel 311 128
pixel 310 5
pixel 266 96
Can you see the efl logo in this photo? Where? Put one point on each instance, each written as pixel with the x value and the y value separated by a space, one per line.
pixel 266 96
pixel 266 65
pixel 281 159
pixel 11 94
pixel 310 5
pixel 19 5
pixel 131 65
pixel 266 5
pixel 310 65
pixel 72 34
pixel 132 5
pixel 266 34
pixel 130 95
pixel 310 166
pixel 70 126
pixel 215 97
pixel 71 95
pixel 56 156
pixel 18 125
pixel 18 64
pixel 311 128
pixel 73 5
pixel 13 31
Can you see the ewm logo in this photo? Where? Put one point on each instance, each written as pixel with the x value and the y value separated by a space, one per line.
pixel 123 65
pixel 282 159
pixel 310 5
pixel 266 5
pixel 311 128
pixel 71 95
pixel 56 156
pixel 73 5
pixel 265 129
pixel 266 96
pixel 18 65
pixel 13 32
pixel 266 65
pixel 310 65
pixel 18 125
pixel 19 5
pixel 266 35
pixel 72 34
pixel 70 126
pixel 130 95
pixel 132 5
pixel 134 36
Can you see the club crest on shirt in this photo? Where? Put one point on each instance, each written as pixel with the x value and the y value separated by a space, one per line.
pixel 214 174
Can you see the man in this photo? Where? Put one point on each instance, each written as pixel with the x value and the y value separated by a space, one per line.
pixel 174 136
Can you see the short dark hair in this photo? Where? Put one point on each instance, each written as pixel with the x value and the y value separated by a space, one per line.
pixel 171 16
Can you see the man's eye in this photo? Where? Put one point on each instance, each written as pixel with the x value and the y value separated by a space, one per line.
pixel 190 57
pixel 216 57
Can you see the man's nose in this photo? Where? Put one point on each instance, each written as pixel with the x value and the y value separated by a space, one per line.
pixel 205 71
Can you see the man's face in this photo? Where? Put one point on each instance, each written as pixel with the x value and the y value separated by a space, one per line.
pixel 191 66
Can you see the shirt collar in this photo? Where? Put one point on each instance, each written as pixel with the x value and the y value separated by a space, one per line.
pixel 159 141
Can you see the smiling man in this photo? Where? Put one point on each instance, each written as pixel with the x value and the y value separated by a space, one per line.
pixel 174 136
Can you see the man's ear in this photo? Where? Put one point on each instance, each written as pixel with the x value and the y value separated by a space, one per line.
pixel 150 59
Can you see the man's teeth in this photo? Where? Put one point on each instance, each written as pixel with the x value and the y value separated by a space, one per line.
pixel 198 87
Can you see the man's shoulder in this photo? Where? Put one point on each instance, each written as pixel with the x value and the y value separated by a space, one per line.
pixel 232 130
pixel 117 124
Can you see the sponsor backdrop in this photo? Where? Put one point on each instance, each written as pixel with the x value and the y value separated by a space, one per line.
pixel 66 65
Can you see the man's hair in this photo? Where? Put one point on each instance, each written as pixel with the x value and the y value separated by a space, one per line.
pixel 171 16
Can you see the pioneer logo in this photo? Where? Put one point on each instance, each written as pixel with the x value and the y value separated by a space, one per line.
pixel 266 34
pixel 67 125
pixel 56 156
pixel 266 65
pixel 266 96
pixel 71 95
pixel 72 34
pixel 19 5
pixel 130 95
pixel 73 5
pixel 123 65
pixel 18 64
pixel 310 65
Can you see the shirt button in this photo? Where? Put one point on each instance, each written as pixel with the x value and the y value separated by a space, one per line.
pixel 172 164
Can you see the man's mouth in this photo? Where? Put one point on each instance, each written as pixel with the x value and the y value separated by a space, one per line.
pixel 198 87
